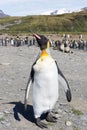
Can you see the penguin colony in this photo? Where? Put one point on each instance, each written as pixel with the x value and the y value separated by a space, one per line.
pixel 45 76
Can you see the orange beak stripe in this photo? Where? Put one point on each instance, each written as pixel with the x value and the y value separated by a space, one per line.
pixel 37 36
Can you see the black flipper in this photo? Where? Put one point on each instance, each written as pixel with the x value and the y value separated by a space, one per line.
pixel 64 83
pixel 68 95
pixel 30 80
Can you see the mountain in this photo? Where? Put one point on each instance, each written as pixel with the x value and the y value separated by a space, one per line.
pixel 57 12
pixel 62 11
pixel 2 14
pixel 84 9
pixel 75 22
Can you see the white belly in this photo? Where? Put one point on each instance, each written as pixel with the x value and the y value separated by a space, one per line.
pixel 45 87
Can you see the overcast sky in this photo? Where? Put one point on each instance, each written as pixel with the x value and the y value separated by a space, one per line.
pixel 34 7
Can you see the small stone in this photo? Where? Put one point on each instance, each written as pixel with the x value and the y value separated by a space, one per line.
pixel 58 115
pixel 84 118
pixel 3 122
pixel 60 111
pixel 6 112
pixel 15 129
pixel 8 124
pixel 1 114
pixel 11 111
pixel 6 63
pixel 68 123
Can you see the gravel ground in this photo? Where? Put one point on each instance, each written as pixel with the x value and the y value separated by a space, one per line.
pixel 15 63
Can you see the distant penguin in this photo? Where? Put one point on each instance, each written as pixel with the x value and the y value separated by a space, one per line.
pixel 45 76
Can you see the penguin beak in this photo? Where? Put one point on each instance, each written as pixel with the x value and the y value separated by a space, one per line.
pixel 42 41
pixel 36 35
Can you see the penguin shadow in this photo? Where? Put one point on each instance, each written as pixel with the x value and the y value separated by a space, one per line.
pixel 28 114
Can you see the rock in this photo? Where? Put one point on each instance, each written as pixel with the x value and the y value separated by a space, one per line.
pixel 68 123
pixel 5 63
pixel 84 118
pixel 6 112
pixel 8 124
pixel 1 115
pixel 3 122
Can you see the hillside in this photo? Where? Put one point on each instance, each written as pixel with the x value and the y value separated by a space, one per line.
pixel 74 22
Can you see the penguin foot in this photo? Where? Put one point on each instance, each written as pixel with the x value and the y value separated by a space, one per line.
pixel 51 118
pixel 40 124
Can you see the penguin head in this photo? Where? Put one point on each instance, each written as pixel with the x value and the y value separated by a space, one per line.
pixel 42 41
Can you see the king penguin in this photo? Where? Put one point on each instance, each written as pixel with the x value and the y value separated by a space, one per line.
pixel 45 76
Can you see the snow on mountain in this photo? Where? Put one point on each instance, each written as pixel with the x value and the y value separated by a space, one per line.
pixel 47 13
pixel 62 11
pixel 2 14
pixel 57 12
pixel 84 9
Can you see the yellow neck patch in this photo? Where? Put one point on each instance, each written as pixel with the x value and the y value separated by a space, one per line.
pixel 44 53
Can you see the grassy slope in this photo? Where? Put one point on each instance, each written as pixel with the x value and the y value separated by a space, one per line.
pixel 75 22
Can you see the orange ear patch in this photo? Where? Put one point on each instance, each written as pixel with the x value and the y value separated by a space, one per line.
pixel 48 44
